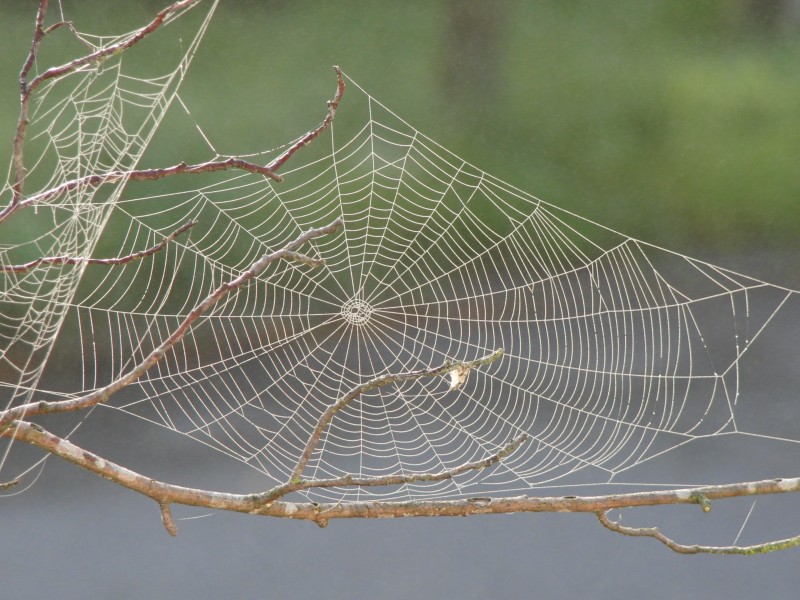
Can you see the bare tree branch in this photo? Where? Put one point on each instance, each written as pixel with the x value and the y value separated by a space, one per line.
pixel 652 532
pixel 321 513
pixel 22 123
pixel 103 394
pixel 77 260
pixel 96 180
pixel 13 423
pixel 27 89
pixel 326 417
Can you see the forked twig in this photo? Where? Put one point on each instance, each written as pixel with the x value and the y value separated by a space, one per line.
pixel 95 180
pixel 289 252
pixel 77 260
pixel 654 533
pixel 27 89
pixel 393 480
pixel 326 417
pixel 110 50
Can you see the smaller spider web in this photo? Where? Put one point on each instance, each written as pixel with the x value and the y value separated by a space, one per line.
pixel 616 352
pixel 95 119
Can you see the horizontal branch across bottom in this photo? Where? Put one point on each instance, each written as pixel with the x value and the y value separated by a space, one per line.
pixel 321 513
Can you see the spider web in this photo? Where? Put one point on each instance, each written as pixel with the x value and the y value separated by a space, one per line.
pixel 615 351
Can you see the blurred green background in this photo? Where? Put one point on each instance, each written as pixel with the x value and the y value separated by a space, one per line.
pixel 674 121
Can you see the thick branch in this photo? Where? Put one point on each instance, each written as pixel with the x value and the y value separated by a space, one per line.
pixel 326 417
pixel 652 532
pixel 165 494
pixel 104 393
pixel 119 260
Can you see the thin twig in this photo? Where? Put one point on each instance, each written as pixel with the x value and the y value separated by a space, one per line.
pixel 309 137
pixel 121 46
pixel 77 260
pixel 206 167
pixel 103 394
pixel 92 181
pixel 68 24
pixel 654 533
pixel 98 179
pixel 326 417
pixel 7 485
pixel 394 480
pixel 38 33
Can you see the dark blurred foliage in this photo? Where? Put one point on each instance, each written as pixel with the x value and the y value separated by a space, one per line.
pixel 674 121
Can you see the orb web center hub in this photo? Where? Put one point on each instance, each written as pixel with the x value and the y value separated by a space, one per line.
pixel 356 311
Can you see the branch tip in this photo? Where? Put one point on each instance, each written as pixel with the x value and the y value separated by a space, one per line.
pixel 703 501
pixel 654 533
pixel 167 520
pixel 7 485
pixel 309 137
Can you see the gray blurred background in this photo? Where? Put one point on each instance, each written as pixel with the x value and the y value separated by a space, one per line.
pixel 673 121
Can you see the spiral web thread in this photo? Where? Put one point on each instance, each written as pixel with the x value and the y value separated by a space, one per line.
pixel 615 351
